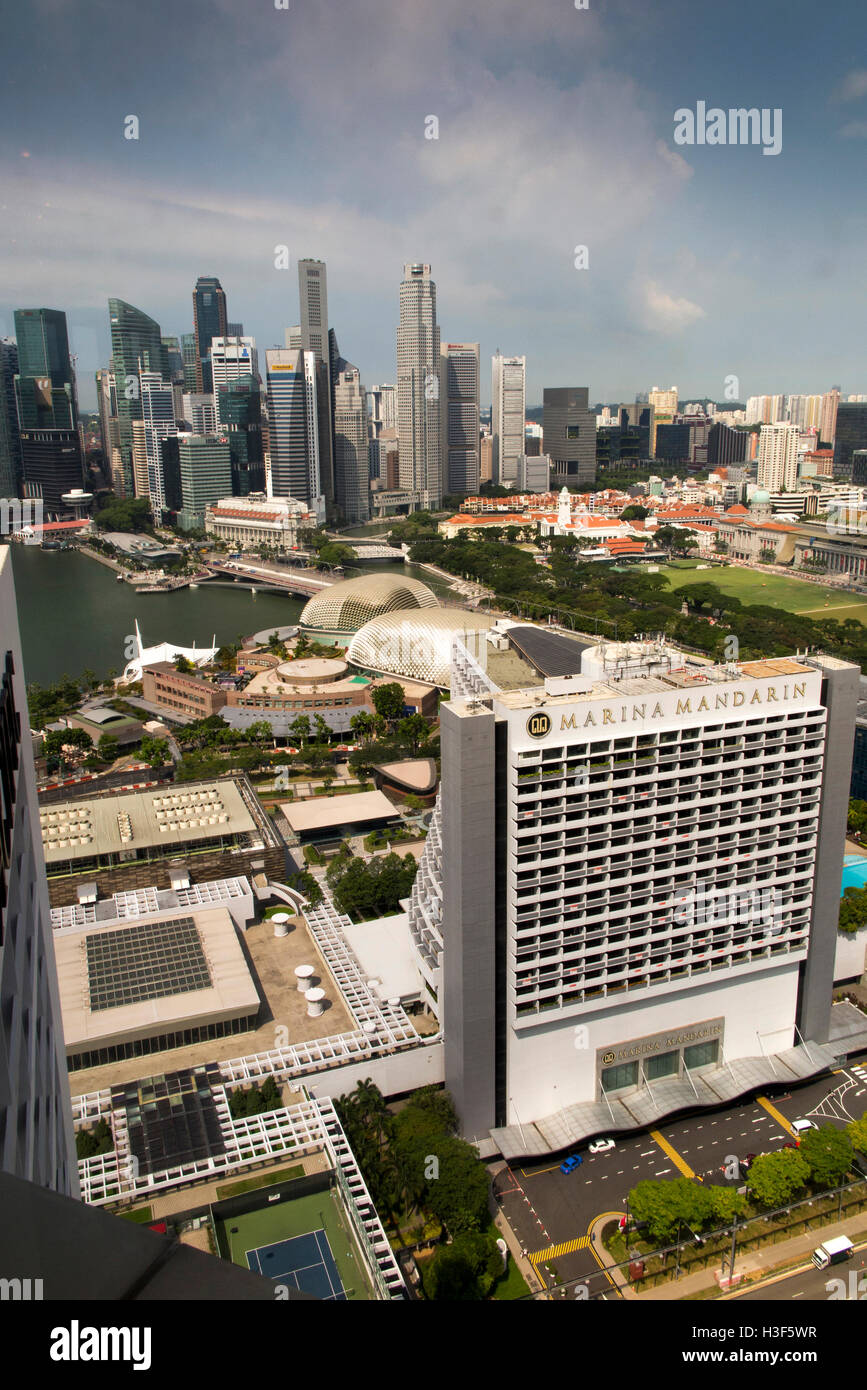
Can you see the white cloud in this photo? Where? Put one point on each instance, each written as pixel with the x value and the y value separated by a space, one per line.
pixel 853 87
pixel 667 313
pixel 855 130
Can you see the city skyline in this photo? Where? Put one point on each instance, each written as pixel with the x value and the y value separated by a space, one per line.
pixel 528 136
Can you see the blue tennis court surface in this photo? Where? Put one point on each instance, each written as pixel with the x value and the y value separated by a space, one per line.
pixel 305 1262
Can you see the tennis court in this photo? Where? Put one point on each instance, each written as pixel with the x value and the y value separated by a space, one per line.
pixel 303 1242
pixel 304 1263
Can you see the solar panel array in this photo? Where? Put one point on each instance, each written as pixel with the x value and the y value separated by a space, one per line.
pixel 172 1119
pixel 151 961
pixel 551 653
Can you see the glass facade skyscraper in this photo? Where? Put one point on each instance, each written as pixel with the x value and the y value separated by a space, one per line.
pixel 136 346
pixel 51 461
pixel 209 320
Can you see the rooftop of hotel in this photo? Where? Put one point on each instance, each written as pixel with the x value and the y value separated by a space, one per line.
pixel 136 820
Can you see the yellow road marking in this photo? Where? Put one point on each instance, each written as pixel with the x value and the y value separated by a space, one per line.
pixel 775 1114
pixel 566 1247
pixel 539 1171
pixel 597 1257
pixel 671 1152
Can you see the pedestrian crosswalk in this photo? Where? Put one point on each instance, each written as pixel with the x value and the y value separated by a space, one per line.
pixel 566 1247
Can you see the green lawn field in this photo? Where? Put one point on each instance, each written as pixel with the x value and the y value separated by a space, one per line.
pixel 751 586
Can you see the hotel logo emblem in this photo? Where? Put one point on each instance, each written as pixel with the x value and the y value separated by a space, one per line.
pixel 538 725
pixel 608 1057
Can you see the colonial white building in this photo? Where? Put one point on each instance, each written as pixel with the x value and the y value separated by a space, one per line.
pixel 259 520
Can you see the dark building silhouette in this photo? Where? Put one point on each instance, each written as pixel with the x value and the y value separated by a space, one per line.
pixel 209 320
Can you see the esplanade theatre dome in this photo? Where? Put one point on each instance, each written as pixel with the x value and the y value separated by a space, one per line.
pixel 418 644
pixel 347 606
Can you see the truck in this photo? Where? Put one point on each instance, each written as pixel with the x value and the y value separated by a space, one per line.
pixel 831 1252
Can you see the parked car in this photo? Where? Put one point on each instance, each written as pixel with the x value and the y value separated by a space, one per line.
pixel 571 1163
pixel 601 1146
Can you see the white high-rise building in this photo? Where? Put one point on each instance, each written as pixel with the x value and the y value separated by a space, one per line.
pixel 36 1133
pixel 778 457
pixel 382 408
pixel 664 402
pixel 418 387
pixel 628 901
pixel 293 464
pixel 232 357
pixel 508 406
pixel 351 456
pixel 200 414
pixel 158 420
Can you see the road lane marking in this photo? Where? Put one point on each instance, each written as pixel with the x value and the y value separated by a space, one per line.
pixel 646 1153
pixel 671 1152
pixel 566 1247
pixel 661 1171
pixel 775 1113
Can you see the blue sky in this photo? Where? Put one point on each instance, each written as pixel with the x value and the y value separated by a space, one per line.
pixel 306 126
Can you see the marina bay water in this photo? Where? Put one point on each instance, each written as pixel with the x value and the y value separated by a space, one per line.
pixel 75 615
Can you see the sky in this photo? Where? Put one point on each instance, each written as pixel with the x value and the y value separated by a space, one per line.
pixel 305 127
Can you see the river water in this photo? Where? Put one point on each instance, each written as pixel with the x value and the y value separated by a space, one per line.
pixel 74 615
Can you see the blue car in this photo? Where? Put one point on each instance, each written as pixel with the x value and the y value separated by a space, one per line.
pixel 571 1163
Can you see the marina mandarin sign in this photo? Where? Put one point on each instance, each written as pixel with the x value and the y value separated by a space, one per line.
pixel 676 705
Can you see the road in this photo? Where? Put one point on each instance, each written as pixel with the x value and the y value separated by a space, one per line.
pixel 816 1285
pixel 549 1210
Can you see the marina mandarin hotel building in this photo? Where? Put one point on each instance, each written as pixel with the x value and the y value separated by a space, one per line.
pixel 628 902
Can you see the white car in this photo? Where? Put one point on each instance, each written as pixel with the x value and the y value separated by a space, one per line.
pixel 601 1146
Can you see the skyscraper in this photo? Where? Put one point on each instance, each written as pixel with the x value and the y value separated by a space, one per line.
pixel 850 434
pixel 508 408
pixel 158 418
pixel 569 435
pixel 232 358
pixel 136 345
pixel 459 424
pixel 293 427
pixel 351 459
pixel 240 413
pixel 188 355
pixel 51 461
pixel 778 457
pixel 209 321
pixel 36 1134
pixel 205 476
pixel 635 902
pixel 314 336
pixel 418 387
pixel 828 421
pixel 10 436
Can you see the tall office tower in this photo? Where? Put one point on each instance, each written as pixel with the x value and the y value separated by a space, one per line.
pixel 10 436
pixel 136 345
pixel 315 338
pixel 828 422
pixel 234 330
pixel 351 460
pixel 200 412
pixel 188 354
pixel 36 1135
pixel 486 458
pixel 205 476
pixel 508 407
pixel 725 445
pixel 418 387
pixel 51 454
pixel 850 434
pixel 209 321
pixel 158 420
pixel 292 338
pixel 239 407
pixel 534 473
pixel 634 906
pixel 232 358
pixel 569 435
pixel 293 427
pixel 382 408
pixel 459 422
pixel 106 404
pixel 778 457
pixel 173 360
